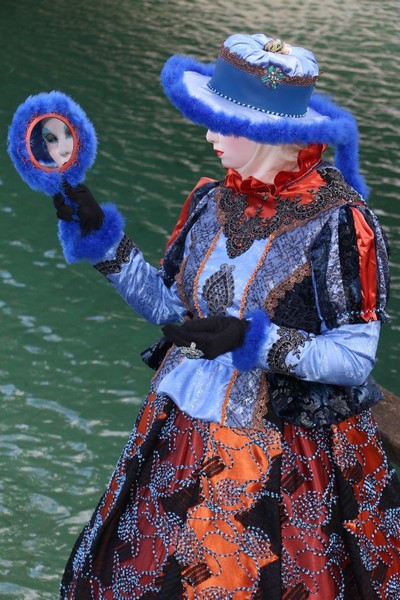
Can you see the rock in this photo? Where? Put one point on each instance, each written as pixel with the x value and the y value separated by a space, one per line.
pixel 387 414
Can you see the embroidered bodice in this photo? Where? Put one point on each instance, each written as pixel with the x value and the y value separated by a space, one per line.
pixel 292 249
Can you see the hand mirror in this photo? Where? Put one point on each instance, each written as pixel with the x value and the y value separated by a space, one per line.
pixel 51 140
pixel 52 143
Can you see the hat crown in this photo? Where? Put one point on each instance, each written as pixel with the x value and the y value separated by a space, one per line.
pixel 265 75
pixel 300 62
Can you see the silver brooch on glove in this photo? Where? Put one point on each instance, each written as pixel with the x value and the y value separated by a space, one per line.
pixel 192 351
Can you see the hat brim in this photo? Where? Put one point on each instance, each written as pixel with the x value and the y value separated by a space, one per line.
pixel 197 88
pixel 185 83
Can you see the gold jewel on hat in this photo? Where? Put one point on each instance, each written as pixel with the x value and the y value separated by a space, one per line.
pixel 277 47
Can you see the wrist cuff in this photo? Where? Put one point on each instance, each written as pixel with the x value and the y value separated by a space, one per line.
pixel 246 356
pixel 94 245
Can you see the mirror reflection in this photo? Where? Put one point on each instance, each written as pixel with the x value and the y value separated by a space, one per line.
pixel 51 143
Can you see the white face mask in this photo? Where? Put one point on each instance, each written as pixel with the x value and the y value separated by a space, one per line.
pixel 248 158
pixel 58 140
pixel 234 152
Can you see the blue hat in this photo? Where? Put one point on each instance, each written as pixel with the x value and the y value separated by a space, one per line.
pixel 263 89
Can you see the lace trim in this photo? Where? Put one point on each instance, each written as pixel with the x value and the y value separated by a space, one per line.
pixel 338 186
pixel 289 340
pixel 241 231
pixel 240 63
pixel 278 292
pixel 112 266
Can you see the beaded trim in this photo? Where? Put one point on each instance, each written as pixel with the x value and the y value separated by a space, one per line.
pixel 263 110
pixel 258 71
pixel 228 395
pixel 109 267
pixel 261 405
pixel 355 313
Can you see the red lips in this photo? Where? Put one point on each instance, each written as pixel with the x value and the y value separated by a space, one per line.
pixel 219 152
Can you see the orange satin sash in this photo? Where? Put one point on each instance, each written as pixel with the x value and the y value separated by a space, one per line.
pixel 367 258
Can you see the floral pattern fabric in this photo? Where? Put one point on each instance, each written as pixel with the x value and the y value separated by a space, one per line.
pixel 203 511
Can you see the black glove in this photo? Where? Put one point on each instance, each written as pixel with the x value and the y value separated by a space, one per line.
pixel 212 335
pixel 84 207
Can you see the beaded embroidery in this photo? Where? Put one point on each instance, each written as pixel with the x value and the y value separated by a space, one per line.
pixel 338 186
pixel 289 340
pixel 273 501
pixel 273 77
pixel 314 404
pixel 124 250
pixel 218 290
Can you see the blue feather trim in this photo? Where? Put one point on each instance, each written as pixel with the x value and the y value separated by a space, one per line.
pixel 338 129
pixel 91 247
pixel 246 356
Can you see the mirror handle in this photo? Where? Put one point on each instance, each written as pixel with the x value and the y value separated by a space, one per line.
pixel 70 202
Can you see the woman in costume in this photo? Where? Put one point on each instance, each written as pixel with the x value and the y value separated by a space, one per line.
pixel 255 469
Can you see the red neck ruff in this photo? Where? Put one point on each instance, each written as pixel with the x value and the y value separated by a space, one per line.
pixel 307 159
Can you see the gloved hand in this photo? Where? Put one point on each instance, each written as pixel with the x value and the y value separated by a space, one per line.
pixel 84 207
pixel 212 335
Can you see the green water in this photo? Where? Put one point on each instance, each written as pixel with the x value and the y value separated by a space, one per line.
pixel 71 379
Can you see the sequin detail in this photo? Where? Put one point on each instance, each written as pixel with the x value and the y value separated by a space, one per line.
pixel 108 267
pixel 219 290
pixel 289 340
pixel 203 511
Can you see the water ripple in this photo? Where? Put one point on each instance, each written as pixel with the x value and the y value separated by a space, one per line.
pixel 71 378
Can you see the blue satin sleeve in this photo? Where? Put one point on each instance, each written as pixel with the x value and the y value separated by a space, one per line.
pixel 141 285
pixel 342 356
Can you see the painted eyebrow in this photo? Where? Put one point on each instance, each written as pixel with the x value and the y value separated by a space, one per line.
pixel 45 130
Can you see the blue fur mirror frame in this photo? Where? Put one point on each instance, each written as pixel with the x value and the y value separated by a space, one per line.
pixel 32 139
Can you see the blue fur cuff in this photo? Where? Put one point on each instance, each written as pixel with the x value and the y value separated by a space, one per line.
pixel 246 356
pixel 91 247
